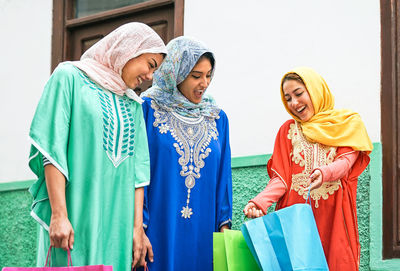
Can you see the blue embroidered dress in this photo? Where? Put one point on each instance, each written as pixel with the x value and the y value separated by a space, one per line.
pixel 190 195
pixel 97 139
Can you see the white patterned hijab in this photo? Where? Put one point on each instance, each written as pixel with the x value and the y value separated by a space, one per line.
pixel 183 54
pixel 104 61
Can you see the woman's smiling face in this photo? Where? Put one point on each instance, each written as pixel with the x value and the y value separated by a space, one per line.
pixel 140 68
pixel 196 83
pixel 298 100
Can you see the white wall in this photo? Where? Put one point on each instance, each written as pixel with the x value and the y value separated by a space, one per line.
pixel 25 66
pixel 257 41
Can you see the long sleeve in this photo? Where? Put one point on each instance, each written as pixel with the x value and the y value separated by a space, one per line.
pixel 224 185
pixel 274 190
pixel 145 108
pixel 339 168
pixel 142 158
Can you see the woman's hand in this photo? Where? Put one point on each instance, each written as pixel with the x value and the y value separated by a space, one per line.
pixel 138 248
pixel 148 248
pixel 315 180
pixel 251 210
pixel 224 227
pixel 61 232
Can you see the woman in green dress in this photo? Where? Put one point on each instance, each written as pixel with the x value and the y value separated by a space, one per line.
pixel 90 153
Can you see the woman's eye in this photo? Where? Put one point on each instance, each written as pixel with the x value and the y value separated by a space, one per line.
pixel 151 66
pixel 195 76
pixel 299 94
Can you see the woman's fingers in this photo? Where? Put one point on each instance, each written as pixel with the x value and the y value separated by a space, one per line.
pixel 61 233
pixel 314 181
pixel 252 211
pixel 71 240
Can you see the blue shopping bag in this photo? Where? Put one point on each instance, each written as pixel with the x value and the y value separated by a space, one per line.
pixel 287 239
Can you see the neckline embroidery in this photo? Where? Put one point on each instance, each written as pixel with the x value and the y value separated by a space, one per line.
pixel 118 123
pixel 310 155
pixel 192 136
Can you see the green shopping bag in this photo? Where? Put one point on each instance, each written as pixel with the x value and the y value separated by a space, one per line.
pixel 237 255
pixel 219 252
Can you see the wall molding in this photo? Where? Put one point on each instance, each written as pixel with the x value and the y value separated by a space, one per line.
pixel 17 185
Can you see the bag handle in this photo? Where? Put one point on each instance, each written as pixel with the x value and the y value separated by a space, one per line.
pixel 308 195
pixel 48 257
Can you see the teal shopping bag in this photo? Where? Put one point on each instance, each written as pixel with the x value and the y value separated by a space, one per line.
pixel 237 255
pixel 261 247
pixel 290 234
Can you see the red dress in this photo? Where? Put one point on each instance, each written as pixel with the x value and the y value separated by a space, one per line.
pixel 333 204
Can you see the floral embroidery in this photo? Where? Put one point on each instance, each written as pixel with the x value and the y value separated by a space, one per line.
pixel 310 156
pixel 192 136
pixel 118 124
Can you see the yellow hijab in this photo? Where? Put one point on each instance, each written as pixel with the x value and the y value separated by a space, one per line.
pixel 329 126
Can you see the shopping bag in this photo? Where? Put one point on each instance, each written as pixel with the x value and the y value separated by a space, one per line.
pixel 261 248
pixel 238 255
pixel 291 234
pixel 70 267
pixel 219 253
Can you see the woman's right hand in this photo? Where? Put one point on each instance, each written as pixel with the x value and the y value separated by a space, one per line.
pixel 61 232
pixel 252 211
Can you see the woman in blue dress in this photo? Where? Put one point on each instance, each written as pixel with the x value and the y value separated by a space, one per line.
pixel 190 192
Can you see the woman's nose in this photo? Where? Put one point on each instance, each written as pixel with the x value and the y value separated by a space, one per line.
pixel 204 83
pixel 294 102
pixel 149 76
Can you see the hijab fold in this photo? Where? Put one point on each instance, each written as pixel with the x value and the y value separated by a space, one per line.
pixel 104 61
pixel 183 54
pixel 329 126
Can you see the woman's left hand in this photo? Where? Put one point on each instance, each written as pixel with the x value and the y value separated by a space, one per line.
pixel 315 180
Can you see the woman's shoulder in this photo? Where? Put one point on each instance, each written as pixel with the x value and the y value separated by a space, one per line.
pixel 65 71
pixel 66 68
pixel 222 114
pixel 147 102
pixel 285 127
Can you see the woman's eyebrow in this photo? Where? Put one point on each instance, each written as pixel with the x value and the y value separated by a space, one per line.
pixel 296 89
pixel 155 63
pixel 202 72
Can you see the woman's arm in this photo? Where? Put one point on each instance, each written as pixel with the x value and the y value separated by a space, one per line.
pixel 258 206
pixel 60 230
pixel 141 244
pixel 334 171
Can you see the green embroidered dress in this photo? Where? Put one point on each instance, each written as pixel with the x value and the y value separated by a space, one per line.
pixel 98 141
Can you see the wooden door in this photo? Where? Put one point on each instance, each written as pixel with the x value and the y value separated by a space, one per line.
pixel 73 36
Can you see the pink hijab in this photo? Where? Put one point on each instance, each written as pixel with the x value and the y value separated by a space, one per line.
pixel 103 62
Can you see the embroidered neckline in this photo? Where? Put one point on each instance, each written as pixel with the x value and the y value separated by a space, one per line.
pixel 118 123
pixel 310 155
pixel 192 138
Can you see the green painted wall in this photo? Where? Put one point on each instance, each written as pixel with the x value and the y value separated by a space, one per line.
pixel 18 229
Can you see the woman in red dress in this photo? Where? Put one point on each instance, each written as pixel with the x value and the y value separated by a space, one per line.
pixel 323 147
